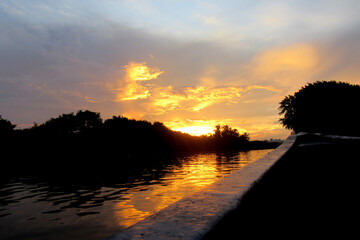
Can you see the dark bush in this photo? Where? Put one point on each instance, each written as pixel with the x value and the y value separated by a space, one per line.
pixel 323 107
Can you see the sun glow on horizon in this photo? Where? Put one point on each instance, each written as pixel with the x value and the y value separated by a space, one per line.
pixel 195 130
pixel 193 127
pixel 156 101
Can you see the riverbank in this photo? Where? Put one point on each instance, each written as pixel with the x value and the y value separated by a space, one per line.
pixel 310 191
pixel 61 207
pixel 194 216
pixel 83 143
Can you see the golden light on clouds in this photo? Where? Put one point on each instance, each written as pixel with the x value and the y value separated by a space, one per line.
pixel 133 91
pixel 190 98
pixel 295 57
pixel 211 59
pixel 285 66
pixel 166 98
pixel 141 72
pixel 176 105
pixel 135 73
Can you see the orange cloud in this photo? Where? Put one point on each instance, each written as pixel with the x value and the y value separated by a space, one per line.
pixel 161 99
pixel 295 57
pixel 136 73
pixel 170 103
pixel 288 66
pixel 141 72
pixel 190 98
pixel 133 91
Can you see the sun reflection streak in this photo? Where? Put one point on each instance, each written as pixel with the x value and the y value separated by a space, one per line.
pixel 190 175
pixel 177 184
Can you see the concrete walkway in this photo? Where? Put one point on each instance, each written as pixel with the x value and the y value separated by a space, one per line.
pixel 305 188
pixel 310 192
pixel 194 216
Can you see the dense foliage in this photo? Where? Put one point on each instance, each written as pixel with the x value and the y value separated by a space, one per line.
pixel 6 127
pixel 323 107
pixel 85 139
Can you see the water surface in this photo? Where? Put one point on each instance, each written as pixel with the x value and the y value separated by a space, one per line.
pixel 33 207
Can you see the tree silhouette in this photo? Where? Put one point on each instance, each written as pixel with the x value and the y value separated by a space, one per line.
pixel 227 137
pixel 84 143
pixel 6 126
pixel 323 107
pixel 70 124
pixel 87 120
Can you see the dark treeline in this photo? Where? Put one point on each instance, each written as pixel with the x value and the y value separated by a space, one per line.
pixel 71 140
pixel 329 107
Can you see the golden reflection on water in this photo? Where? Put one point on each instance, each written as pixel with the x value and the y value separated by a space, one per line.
pixel 189 176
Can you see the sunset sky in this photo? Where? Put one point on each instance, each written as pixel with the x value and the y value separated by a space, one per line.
pixel 190 64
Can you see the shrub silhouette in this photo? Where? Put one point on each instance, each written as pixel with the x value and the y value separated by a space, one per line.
pixel 84 143
pixel 225 137
pixel 70 124
pixel 323 107
pixel 6 127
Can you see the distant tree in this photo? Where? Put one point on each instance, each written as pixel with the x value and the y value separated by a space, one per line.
pixel 325 107
pixel 227 137
pixel 6 126
pixel 71 124
pixel 229 134
pixel 245 137
pixel 86 120
pixel 217 132
pixel 82 142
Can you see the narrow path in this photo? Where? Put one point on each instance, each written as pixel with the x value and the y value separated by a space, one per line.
pixel 310 192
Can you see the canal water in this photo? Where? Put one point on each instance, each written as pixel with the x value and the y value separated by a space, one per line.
pixel 34 207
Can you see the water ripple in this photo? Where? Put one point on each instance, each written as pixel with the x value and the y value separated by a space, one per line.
pixel 43 206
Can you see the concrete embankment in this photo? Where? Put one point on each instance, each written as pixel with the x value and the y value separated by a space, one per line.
pixel 310 193
pixel 194 216
pixel 305 188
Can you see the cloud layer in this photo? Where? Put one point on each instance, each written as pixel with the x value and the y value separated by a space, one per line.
pixel 191 71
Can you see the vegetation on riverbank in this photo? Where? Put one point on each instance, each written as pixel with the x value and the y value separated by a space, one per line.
pixel 85 139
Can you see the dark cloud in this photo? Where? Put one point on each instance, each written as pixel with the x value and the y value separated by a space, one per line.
pixel 77 62
pixel 72 66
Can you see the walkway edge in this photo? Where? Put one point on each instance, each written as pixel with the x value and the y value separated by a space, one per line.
pixel 194 216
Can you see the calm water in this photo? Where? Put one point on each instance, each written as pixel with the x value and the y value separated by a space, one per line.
pixel 41 208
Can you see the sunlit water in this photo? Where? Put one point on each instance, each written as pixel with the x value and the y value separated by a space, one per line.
pixel 35 208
